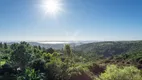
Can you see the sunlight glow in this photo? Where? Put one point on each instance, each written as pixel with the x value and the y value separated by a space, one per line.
pixel 52 6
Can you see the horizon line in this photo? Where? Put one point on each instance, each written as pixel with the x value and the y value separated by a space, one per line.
pixel 64 40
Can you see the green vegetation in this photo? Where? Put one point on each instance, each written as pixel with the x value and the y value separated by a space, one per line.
pixel 110 48
pixel 22 61
pixel 113 72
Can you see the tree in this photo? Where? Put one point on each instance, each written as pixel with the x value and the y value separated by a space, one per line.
pixel 25 43
pixel 13 46
pixel 68 51
pixel 50 50
pixel 20 56
pixel 39 47
pixel 38 65
pixel 1 45
pixel 5 46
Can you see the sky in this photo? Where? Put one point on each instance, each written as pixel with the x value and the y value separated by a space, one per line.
pixel 26 20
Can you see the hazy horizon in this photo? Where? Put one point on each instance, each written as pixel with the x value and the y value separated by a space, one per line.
pixel 65 41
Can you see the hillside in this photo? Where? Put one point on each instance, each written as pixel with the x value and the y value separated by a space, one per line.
pixel 110 48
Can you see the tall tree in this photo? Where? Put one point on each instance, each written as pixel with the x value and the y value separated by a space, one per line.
pixel 68 51
pixel 5 46
pixel 1 45
pixel 39 47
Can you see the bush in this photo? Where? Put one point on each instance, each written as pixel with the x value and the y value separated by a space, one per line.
pixel 79 72
pixel 113 72
pixel 30 74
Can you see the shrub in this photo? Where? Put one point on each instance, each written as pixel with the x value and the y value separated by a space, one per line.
pixel 113 72
pixel 30 74
pixel 79 72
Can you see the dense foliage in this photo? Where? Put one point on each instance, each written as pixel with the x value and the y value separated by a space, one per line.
pixel 22 61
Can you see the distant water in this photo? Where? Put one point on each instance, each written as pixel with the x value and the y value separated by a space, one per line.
pixel 65 42
pixel 53 42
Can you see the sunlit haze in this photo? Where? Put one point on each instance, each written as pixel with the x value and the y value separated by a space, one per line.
pixel 53 7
